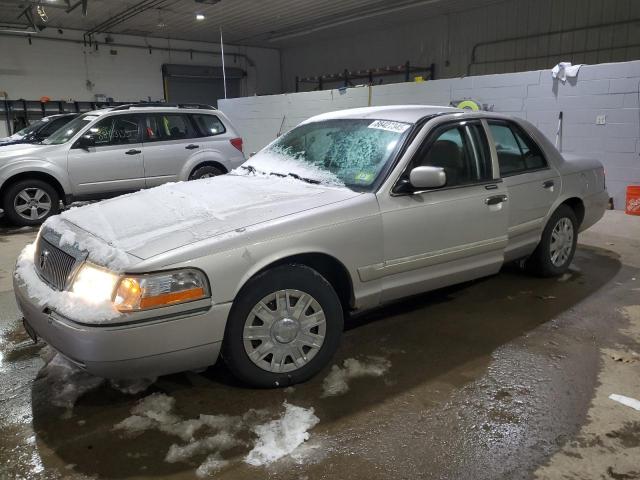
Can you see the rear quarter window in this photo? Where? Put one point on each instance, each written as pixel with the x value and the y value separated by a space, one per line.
pixel 517 152
pixel 208 125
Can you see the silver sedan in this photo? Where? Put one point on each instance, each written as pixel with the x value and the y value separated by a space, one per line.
pixel 346 212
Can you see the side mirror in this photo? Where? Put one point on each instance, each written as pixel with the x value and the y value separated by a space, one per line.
pixel 427 177
pixel 86 141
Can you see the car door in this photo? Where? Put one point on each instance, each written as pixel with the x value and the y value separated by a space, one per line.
pixel 443 236
pixel 532 184
pixel 169 140
pixel 114 163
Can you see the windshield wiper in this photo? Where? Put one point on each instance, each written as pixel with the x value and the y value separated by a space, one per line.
pixel 304 179
pixel 254 170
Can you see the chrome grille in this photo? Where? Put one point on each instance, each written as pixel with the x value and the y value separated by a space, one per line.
pixel 53 265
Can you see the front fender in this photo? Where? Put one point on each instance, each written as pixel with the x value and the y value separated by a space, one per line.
pixel 29 165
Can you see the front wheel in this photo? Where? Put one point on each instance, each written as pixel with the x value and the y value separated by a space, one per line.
pixel 557 246
pixel 284 327
pixel 30 202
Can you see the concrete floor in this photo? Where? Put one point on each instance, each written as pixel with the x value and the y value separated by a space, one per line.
pixel 507 377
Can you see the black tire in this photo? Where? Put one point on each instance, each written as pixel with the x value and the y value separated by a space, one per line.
pixel 540 262
pixel 9 201
pixel 291 277
pixel 205 171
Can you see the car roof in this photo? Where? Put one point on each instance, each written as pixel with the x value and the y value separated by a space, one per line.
pixel 397 113
pixel 153 109
pixel 61 115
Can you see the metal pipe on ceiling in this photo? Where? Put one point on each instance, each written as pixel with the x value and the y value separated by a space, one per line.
pixel 248 59
pixel 346 19
pixel 125 15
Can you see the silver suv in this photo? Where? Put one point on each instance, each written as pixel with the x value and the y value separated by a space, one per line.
pixel 108 152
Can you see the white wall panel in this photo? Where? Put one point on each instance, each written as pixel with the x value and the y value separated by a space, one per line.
pixel 608 89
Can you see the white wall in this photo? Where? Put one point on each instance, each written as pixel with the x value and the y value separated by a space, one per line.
pixel 447 40
pixel 60 70
pixel 606 89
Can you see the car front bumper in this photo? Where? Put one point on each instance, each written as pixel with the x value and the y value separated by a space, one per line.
pixel 186 340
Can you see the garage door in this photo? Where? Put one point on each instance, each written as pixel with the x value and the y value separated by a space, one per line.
pixel 199 84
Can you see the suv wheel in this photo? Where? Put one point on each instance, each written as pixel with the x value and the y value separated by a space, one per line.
pixel 206 171
pixel 284 327
pixel 30 202
pixel 557 246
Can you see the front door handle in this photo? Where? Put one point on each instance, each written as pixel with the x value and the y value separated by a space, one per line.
pixel 548 184
pixel 495 199
pixel 192 146
pixel 133 151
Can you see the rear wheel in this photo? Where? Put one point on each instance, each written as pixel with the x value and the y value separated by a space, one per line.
pixel 284 327
pixel 30 202
pixel 207 171
pixel 557 246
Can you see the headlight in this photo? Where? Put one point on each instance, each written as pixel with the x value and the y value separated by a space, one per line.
pixel 141 292
pixel 94 284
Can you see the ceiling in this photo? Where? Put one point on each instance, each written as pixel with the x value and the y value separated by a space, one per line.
pixel 266 23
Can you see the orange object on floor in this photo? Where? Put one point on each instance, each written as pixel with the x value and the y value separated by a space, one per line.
pixel 633 200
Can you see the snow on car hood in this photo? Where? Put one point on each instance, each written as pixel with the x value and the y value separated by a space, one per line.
pixel 160 219
pixel 19 150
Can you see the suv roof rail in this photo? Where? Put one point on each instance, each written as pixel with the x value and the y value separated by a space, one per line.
pixel 163 105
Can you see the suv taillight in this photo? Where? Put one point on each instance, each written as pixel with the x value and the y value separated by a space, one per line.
pixel 237 142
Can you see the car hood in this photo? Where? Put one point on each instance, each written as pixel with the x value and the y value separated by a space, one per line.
pixel 18 150
pixel 154 221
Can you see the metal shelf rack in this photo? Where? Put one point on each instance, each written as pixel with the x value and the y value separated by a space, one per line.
pixel 347 77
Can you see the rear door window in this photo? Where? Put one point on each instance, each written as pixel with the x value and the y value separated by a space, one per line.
pixel 208 125
pixel 517 153
pixel 164 127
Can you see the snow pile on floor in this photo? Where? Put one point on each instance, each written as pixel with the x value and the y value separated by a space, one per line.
pixel 209 436
pixel 66 303
pixel 282 436
pixel 68 382
pixel 211 465
pixel 132 386
pixel 337 382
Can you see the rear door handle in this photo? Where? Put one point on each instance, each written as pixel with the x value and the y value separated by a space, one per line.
pixel 495 199
pixel 548 184
pixel 133 151
pixel 192 146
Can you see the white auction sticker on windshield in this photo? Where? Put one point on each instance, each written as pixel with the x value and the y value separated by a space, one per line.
pixel 390 126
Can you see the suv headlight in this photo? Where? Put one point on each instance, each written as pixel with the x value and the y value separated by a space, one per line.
pixel 142 292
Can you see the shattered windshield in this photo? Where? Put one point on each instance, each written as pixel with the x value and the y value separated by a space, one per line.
pixel 351 152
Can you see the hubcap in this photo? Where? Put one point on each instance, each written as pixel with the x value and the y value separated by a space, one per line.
pixel 561 242
pixel 284 331
pixel 32 203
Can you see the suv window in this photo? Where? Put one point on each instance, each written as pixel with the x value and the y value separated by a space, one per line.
pixel 517 153
pixel 116 130
pixel 461 150
pixel 164 127
pixel 209 125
